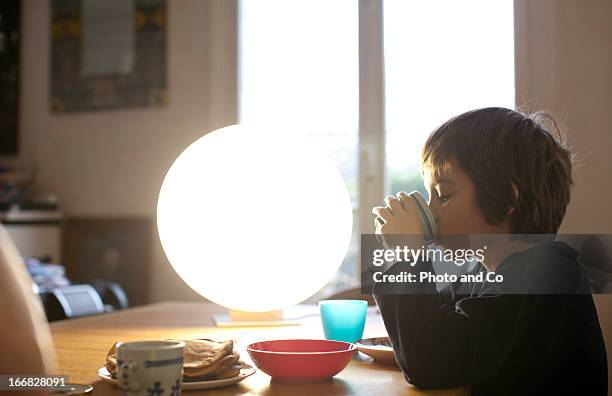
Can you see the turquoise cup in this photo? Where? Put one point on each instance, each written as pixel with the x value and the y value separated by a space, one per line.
pixel 343 320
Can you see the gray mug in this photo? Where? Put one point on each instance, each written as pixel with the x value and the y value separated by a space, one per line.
pixel 428 221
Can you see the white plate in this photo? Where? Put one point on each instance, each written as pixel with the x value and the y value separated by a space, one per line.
pixel 379 348
pixel 105 376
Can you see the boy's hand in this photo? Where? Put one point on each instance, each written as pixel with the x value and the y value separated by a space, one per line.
pixel 399 217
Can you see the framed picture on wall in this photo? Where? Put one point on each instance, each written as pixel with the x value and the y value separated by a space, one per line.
pixel 108 54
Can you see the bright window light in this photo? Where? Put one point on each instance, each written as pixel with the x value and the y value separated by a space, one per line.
pixel 442 58
pixel 299 66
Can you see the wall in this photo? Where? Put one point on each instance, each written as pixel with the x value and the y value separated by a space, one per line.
pixel 564 64
pixel 112 163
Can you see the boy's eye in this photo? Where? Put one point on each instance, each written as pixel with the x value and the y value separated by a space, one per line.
pixel 444 198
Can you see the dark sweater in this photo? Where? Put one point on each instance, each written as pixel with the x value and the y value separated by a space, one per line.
pixel 515 344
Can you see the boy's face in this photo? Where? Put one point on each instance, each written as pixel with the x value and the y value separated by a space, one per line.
pixel 452 200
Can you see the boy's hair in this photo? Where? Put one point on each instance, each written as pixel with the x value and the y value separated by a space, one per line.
pixel 497 147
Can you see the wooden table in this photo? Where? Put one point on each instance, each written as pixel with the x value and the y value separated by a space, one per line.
pixel 81 346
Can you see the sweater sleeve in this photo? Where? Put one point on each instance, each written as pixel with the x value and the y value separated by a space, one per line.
pixel 439 344
pixel 431 342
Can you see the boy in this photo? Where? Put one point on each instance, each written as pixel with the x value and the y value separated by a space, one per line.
pixel 495 171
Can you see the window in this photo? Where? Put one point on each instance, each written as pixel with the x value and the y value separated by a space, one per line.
pixel 442 58
pixel 298 65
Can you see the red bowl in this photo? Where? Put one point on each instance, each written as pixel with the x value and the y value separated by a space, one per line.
pixel 301 360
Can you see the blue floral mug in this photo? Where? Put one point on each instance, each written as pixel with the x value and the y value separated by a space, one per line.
pixel 150 368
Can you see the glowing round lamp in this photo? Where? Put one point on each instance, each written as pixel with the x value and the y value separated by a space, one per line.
pixel 254 219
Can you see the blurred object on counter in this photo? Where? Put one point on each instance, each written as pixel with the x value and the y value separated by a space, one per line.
pixel 111 293
pixel 72 301
pixel 62 300
pixel 15 184
pixel 46 276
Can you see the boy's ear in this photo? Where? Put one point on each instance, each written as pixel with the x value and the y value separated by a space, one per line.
pixel 512 208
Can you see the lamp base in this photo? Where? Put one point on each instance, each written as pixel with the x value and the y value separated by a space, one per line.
pixel 253 319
